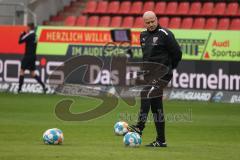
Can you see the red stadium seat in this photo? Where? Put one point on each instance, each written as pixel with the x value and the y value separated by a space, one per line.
pixel 238 14
pixel 207 8
pixel 125 7
pixel 77 3
pixel 160 8
pixel 90 7
pixel 81 21
pixel 93 21
pixel 138 23
pixel 70 21
pixel 219 8
pixel 235 24
pixel 232 9
pixel 46 23
pixel 102 7
pixel 183 8
pixel 211 23
pixel 116 21
pixel 127 22
pixel 113 7
pixel 70 9
pixel 187 23
pixel 175 22
pixel 171 8
pixel 223 24
pixel 195 8
pixel 163 21
pixel 104 21
pixel 199 23
pixel 136 7
pixel 57 18
pixel 148 6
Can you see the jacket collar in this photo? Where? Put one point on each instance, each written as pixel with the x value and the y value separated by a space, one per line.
pixel 156 30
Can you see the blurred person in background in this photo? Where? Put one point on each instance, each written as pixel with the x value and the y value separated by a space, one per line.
pixel 29 58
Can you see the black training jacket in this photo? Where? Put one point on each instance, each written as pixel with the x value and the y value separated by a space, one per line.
pixel 160 46
pixel 30 40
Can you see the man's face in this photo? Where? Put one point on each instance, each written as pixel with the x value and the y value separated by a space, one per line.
pixel 150 23
pixel 30 27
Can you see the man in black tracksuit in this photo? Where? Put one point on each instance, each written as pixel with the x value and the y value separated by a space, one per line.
pixel 160 47
pixel 28 61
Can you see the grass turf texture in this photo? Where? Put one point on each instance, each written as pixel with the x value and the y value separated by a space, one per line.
pixel 213 133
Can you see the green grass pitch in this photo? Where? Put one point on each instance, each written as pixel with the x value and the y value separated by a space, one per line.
pixel 210 131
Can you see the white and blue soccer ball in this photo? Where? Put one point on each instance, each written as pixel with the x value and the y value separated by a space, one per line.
pixel 120 128
pixel 53 136
pixel 132 139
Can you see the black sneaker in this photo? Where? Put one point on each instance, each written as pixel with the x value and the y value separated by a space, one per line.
pixel 19 91
pixel 45 90
pixel 134 128
pixel 157 144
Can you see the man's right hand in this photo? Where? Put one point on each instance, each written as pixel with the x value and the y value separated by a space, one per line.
pixel 23 33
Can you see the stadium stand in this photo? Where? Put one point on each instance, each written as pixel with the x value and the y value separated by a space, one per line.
pixel 232 9
pixel 101 7
pixel 187 23
pixel 93 21
pixel 113 7
pixel 127 22
pixel 164 21
pixel 198 23
pixel 223 24
pixel 90 7
pixel 219 8
pixel 138 23
pixel 81 21
pixel 136 7
pixel 183 8
pixel 200 14
pixel 195 8
pixel 160 8
pixel 116 21
pixel 148 6
pixel 171 8
pixel 124 7
pixel 70 21
pixel 104 21
pixel 207 8
pixel 211 23
pixel 175 22
pixel 235 24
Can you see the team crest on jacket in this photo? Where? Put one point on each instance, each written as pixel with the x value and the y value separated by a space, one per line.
pixel 155 40
pixel 143 42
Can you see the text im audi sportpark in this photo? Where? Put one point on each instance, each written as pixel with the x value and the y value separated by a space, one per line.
pixel 195 44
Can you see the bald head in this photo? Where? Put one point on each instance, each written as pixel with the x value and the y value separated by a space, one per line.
pixel 149 14
pixel 150 20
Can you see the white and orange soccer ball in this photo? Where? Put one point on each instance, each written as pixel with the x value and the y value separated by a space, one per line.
pixel 120 128
pixel 53 136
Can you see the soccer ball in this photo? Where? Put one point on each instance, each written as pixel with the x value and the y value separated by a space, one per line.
pixel 132 139
pixel 120 128
pixel 53 136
